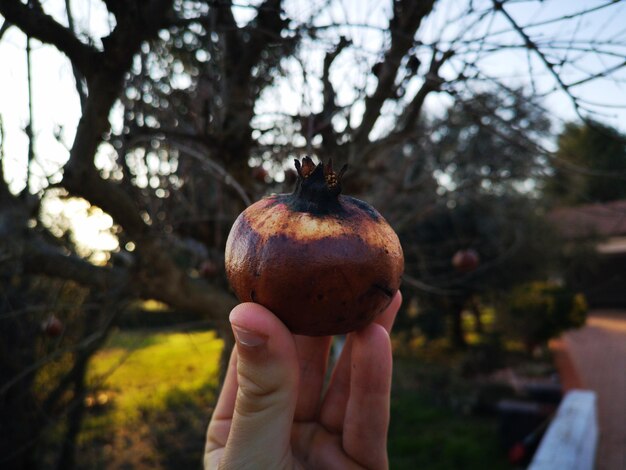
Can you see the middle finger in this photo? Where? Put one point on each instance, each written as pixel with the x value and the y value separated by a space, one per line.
pixel 313 358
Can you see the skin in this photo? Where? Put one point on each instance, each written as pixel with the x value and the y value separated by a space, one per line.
pixel 272 412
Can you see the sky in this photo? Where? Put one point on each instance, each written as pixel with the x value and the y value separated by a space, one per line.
pixel 57 109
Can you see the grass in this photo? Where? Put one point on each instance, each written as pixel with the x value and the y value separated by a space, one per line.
pixel 425 435
pixel 152 399
pixel 142 370
pixel 157 390
pixel 432 423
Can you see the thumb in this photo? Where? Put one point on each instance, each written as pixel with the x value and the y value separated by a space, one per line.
pixel 267 376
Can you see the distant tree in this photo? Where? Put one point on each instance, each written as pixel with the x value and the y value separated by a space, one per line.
pixel 477 144
pixel 483 199
pixel 589 165
pixel 514 243
pixel 536 312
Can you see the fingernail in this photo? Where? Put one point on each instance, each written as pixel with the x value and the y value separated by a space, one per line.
pixel 249 338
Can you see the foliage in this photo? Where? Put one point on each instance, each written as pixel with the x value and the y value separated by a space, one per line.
pixel 477 146
pixel 535 312
pixel 590 165
pixel 515 245
pixel 513 242
pixel 487 203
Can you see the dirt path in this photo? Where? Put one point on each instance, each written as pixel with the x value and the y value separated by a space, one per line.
pixel 598 353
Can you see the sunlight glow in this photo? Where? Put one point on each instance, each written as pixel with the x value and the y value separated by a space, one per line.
pixel 91 229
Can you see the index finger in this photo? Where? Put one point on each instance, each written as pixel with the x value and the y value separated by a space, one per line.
pixel 219 427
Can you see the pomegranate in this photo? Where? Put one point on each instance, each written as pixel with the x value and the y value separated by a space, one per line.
pixel 209 269
pixel 323 262
pixel 466 261
pixel 52 326
pixel 260 174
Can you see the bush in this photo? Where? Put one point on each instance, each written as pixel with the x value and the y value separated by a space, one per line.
pixel 539 311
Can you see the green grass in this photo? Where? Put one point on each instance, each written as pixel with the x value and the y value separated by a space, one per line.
pixel 157 391
pixel 432 425
pixel 142 371
pixel 424 435
pixel 160 389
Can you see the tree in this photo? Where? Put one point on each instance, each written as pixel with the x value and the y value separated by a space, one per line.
pixel 485 204
pixel 514 244
pixel 478 154
pixel 202 86
pixel 590 165
pixel 537 312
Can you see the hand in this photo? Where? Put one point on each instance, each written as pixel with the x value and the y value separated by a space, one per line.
pixel 270 413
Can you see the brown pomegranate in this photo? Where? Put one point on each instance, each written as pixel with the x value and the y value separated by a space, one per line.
pixel 466 261
pixel 323 262
pixel 52 326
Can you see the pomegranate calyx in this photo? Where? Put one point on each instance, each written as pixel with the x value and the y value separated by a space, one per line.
pixel 318 187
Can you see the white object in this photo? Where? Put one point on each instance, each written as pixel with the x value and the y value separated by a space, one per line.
pixel 571 439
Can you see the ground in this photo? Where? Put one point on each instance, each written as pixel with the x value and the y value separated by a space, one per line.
pixel 598 356
pixel 155 392
pixel 152 400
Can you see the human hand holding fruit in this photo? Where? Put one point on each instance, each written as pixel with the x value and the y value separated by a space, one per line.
pixel 271 413
pixel 323 264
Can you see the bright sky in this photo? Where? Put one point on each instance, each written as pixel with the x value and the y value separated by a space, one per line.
pixel 57 110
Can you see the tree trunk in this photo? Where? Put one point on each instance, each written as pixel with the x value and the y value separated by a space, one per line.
pixel 67 457
pixel 18 407
pixel 475 309
pixel 458 335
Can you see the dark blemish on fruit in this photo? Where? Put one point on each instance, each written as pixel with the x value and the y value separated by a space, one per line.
pixel 320 296
pixel 253 295
pixel 365 207
pixel 385 290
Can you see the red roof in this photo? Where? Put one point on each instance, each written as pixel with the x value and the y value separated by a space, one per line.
pixel 591 220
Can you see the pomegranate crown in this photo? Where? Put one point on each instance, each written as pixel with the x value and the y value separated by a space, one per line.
pixel 318 186
pixel 308 169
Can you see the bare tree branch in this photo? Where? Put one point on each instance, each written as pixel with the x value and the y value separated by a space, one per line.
pixel 321 123
pixel 29 127
pixel 530 44
pixel 37 24
pixel 80 175
pixel 4 28
pixel 157 277
pixel 42 258
pixel 78 77
pixel 408 16
pixel 432 82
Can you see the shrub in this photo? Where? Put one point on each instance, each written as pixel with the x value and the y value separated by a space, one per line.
pixel 536 312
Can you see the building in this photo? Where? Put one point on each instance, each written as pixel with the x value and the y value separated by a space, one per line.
pixel 602 228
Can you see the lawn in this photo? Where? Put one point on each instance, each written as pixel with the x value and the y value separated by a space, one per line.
pixel 426 435
pixel 152 398
pixel 432 423
pixel 153 394
pixel 141 370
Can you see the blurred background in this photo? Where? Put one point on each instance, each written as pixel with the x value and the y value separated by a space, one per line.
pixel 490 134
